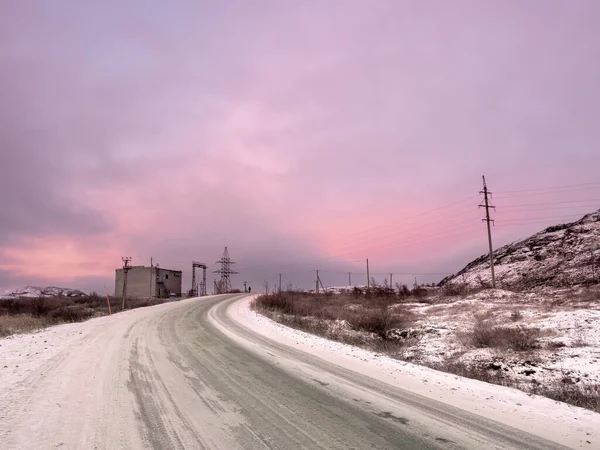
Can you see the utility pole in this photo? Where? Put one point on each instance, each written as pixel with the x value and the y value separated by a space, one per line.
pixel 317 282
pixel 368 276
pixel 391 280
pixel 279 283
pixel 593 268
pixel 151 266
pixel 126 260
pixel 349 278
pixel 487 219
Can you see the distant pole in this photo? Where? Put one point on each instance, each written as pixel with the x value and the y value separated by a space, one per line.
pixel 317 281
pixel 126 260
pixel 391 278
pixel 151 266
pixel 280 283
pixel 487 219
pixel 368 276
pixel 245 286
pixel 107 300
pixel 593 264
pixel 349 278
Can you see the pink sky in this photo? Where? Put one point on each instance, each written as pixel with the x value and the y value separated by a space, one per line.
pixel 302 135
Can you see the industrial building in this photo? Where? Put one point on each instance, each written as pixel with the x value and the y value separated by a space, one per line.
pixel 145 282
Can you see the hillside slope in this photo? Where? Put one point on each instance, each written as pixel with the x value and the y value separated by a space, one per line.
pixel 35 292
pixel 560 255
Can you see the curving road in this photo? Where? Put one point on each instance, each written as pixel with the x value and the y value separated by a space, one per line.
pixel 185 375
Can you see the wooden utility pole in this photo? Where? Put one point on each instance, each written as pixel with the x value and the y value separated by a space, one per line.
pixel 280 283
pixel 368 276
pixel 391 280
pixel 317 281
pixel 107 300
pixel 487 219
pixel 151 267
pixel 593 268
pixel 126 260
pixel 349 278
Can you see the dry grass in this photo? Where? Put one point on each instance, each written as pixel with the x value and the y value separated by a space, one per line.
pixel 500 328
pixel 373 315
pixel 473 371
pixel 21 323
pixel 578 394
pixel 363 321
pixel 518 338
pixel 29 314
pixel 583 395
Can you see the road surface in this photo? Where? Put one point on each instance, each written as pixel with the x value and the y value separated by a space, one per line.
pixel 186 376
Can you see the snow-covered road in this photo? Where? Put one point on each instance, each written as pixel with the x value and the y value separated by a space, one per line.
pixel 209 373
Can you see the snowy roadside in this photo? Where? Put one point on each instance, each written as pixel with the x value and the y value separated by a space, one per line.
pixel 569 425
pixel 24 354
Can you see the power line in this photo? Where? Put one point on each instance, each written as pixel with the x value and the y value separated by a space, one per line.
pixel 533 194
pixel 517 210
pixel 597 183
pixel 405 219
pixel 551 203
pixel 384 239
pixel 542 217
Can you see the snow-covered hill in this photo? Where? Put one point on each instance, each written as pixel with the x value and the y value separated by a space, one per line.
pixel 561 255
pixel 35 292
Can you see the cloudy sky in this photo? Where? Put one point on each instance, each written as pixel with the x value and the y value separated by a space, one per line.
pixel 302 135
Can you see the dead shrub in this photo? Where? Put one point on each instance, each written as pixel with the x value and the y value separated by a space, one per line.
pixel 474 371
pixel 454 289
pixel 372 315
pixel 27 314
pixel 555 345
pixel 282 302
pixel 516 315
pixel 583 395
pixel 509 338
pixel 70 314
pixel 20 323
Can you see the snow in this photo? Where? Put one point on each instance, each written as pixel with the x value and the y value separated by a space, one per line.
pixel 557 421
pixel 35 292
pixel 23 355
pixel 573 327
pixel 560 255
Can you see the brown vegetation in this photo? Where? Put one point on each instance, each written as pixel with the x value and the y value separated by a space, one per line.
pixel 373 319
pixel 29 314
pixel 339 317
pixel 518 338
pixel 577 394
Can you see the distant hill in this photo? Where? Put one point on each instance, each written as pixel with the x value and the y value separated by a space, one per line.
pixel 35 292
pixel 558 256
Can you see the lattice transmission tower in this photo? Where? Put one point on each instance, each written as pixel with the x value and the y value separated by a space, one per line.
pixel 226 272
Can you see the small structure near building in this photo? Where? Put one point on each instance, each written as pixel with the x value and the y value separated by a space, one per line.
pixel 149 282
